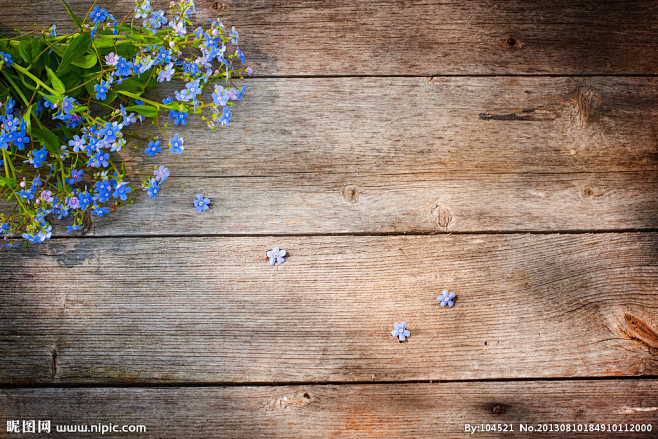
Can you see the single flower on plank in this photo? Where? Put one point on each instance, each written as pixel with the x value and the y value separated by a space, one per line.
pixel 201 203
pixel 276 255
pixel 400 331
pixel 446 298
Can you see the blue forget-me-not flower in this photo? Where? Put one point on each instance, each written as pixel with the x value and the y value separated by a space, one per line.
pixel 446 298
pixel 400 331
pixel 276 255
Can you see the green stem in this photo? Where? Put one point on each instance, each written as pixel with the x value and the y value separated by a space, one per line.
pixel 34 78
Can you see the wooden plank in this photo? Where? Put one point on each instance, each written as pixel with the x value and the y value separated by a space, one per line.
pixel 421 37
pixel 347 165
pixel 407 125
pixel 416 203
pixel 213 309
pixel 388 410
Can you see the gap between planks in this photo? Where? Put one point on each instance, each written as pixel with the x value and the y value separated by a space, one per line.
pixel 193 384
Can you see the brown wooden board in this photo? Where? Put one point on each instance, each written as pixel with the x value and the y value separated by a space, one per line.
pixel 433 203
pixel 292 37
pixel 214 310
pixel 580 156
pixel 383 410
pixel 417 125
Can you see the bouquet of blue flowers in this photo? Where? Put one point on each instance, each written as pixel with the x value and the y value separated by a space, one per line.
pixel 65 102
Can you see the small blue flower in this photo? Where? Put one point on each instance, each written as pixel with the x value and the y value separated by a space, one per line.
pixel 201 203
pixel 153 189
pixel 225 117
pixel 153 147
pixel 97 14
pixel 121 191
pixel 276 255
pixel 400 331
pixel 124 67
pixel 77 143
pixel 70 229
pixel 233 36
pixel 100 211
pixel 101 90
pixel 6 58
pixel 76 175
pixel 240 55
pixel 67 105
pixel 446 298
pixel 157 19
pixel 180 117
pixel 176 144
pixel 38 157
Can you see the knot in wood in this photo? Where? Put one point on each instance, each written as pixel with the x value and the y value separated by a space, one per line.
pixel 350 193
pixel 586 192
pixel 443 215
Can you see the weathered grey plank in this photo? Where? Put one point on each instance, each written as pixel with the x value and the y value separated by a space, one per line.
pixel 213 309
pixel 451 202
pixel 340 37
pixel 407 125
pixel 387 410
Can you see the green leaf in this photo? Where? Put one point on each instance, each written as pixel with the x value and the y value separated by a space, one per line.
pixel 48 139
pixel 102 41
pixel 57 83
pixel 74 17
pixel 144 110
pixel 78 109
pixel 77 48
pixel 25 48
pixel 130 85
pixel 86 62
pixel 28 118
pixel 111 96
pixel 5 181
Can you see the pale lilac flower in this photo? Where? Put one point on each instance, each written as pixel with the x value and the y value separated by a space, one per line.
pixel 111 59
pixel 276 255
pixel 166 72
pixel 161 174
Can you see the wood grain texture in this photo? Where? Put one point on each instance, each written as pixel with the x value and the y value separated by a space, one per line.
pixel 399 410
pixel 362 160
pixel 406 203
pixel 214 310
pixel 420 37
pixel 416 125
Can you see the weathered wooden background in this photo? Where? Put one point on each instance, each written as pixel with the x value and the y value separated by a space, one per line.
pixel 505 150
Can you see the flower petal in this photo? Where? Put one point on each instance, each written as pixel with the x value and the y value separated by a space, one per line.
pixel 282 253
pixel 451 295
pixel 406 333
pixel 280 260
pixel 272 261
pixel 394 332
